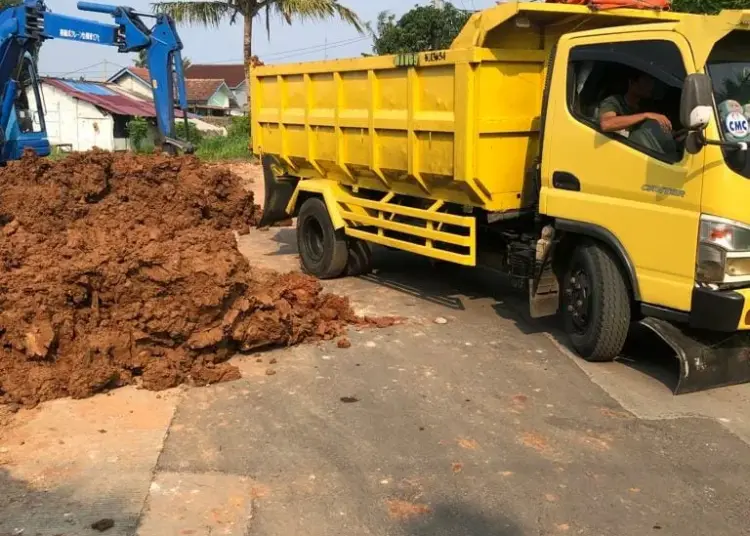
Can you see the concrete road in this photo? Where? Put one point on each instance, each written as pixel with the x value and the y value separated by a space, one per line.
pixel 482 425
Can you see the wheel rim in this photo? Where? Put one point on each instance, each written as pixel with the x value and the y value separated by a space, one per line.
pixel 579 299
pixel 314 239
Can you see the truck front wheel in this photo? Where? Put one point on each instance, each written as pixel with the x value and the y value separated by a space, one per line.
pixel 596 303
pixel 322 249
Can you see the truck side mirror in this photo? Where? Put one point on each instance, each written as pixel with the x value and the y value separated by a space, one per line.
pixel 696 105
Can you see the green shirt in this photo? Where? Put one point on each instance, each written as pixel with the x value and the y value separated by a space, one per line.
pixel 646 135
pixel 617 104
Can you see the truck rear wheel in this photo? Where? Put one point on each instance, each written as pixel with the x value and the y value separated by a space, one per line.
pixel 360 258
pixel 596 303
pixel 322 249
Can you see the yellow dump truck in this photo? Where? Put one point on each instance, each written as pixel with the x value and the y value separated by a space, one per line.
pixel 503 152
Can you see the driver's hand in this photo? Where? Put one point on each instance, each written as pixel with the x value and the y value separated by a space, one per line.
pixel 664 122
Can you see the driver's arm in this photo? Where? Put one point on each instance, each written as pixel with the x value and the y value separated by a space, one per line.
pixel 611 122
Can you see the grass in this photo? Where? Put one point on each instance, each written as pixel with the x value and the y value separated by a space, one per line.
pixel 234 146
pixel 224 148
pixel 56 154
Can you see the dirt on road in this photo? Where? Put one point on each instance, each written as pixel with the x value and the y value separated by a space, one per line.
pixel 121 269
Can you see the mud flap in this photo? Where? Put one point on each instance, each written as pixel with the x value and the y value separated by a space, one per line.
pixel 707 359
pixel 279 191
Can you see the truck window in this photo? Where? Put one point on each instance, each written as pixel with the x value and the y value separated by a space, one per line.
pixel 627 80
pixel 729 68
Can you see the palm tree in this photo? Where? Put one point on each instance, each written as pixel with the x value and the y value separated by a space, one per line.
pixel 212 13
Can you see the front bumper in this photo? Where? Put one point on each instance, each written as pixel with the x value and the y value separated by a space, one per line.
pixel 725 311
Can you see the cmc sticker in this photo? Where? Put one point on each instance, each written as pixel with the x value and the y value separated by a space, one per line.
pixel 737 125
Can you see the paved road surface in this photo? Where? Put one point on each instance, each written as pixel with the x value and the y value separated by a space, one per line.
pixel 484 425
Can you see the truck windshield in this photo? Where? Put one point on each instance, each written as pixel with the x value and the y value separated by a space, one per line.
pixel 729 69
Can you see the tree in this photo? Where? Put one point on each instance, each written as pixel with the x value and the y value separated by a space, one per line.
pixel 140 60
pixel 212 13
pixel 423 28
pixel 708 6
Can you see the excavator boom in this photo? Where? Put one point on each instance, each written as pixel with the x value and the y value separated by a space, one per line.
pixel 23 30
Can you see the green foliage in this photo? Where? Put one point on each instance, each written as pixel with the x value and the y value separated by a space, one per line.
pixel 708 6
pixel 224 148
pixel 234 146
pixel 196 136
pixel 137 132
pixel 214 12
pixel 240 127
pixel 421 29
pixel 56 153
pixel 141 60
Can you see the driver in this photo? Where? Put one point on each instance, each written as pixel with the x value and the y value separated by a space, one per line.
pixel 622 113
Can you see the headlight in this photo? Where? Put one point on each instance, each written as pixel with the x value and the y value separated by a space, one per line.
pixel 727 234
pixel 711 264
pixel 738 267
pixel 723 252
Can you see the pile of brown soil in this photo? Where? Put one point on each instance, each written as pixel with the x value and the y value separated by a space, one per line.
pixel 117 269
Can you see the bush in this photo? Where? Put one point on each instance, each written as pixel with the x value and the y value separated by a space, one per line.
pixel 240 127
pixel 234 146
pixel 196 136
pixel 137 132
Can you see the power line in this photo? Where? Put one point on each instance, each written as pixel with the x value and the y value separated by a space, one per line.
pixel 87 69
pixel 315 51
pixel 281 55
pixel 304 50
pixel 320 46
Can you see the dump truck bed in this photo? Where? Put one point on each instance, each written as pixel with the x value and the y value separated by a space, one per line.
pixel 460 125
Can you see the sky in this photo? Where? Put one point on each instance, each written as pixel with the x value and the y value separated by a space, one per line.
pixel 299 42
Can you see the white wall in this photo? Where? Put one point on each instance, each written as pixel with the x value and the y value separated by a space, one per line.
pixel 206 128
pixel 221 98
pixel 240 95
pixel 74 122
pixel 83 126
pixel 130 83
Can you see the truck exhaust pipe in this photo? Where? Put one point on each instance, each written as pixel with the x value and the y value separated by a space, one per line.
pixel 707 359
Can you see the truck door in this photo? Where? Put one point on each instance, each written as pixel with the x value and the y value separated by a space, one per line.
pixel 636 188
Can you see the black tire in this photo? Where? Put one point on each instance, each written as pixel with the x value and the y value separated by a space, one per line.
pixel 596 303
pixel 322 249
pixel 360 258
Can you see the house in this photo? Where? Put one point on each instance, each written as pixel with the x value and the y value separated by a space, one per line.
pixel 234 75
pixel 206 94
pixel 81 115
pixel 209 97
pixel 135 80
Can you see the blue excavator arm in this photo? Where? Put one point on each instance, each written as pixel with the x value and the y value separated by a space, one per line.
pixel 25 27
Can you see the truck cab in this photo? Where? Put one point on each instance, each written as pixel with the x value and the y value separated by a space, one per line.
pixel 677 212
pixel 502 152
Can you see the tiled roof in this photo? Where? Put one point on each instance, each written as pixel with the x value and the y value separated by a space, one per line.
pixel 232 74
pixel 202 90
pixel 140 72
